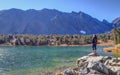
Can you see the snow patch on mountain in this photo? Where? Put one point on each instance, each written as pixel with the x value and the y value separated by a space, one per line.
pixel 83 32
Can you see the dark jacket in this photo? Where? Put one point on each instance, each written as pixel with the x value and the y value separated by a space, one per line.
pixel 94 40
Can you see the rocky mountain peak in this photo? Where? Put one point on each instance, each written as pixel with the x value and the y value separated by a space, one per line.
pixel 116 21
pixel 49 21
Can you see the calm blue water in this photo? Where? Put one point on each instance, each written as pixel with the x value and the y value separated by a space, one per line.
pixel 20 57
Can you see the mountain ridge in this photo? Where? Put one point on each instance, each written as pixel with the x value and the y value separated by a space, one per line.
pixel 116 22
pixel 50 21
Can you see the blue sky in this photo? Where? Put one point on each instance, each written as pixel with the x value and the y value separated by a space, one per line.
pixel 100 9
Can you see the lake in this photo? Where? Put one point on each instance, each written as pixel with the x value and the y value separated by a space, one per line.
pixel 30 60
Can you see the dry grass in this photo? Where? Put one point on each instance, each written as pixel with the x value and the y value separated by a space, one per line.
pixel 115 49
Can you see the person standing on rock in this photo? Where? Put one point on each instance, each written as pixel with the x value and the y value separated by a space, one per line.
pixel 94 43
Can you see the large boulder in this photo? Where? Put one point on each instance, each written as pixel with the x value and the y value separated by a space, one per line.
pixel 95 65
pixel 100 68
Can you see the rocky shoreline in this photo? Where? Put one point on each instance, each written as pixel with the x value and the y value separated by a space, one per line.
pixel 94 65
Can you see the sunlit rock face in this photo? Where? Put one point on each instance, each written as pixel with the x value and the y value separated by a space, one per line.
pixel 93 64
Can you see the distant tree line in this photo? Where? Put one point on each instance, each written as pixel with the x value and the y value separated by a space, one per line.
pixel 116 35
pixel 39 40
